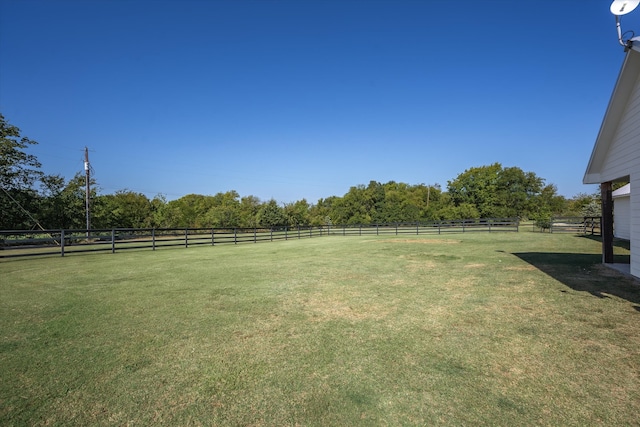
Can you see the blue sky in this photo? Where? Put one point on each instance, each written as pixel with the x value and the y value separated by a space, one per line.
pixel 304 99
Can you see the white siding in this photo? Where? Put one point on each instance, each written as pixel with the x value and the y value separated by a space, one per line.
pixel 623 156
pixel 635 223
pixel 622 217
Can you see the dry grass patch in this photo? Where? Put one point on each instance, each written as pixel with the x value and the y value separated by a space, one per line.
pixel 348 305
pixel 423 241
pixel 475 265
pixel 520 268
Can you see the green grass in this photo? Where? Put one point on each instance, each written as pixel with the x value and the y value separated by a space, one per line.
pixel 464 329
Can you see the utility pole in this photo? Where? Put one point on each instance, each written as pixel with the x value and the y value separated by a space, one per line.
pixel 87 170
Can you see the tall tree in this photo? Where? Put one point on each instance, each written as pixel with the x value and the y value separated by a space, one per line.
pixel 124 209
pixel 297 213
pixel 52 207
pixel 499 192
pixel 74 206
pixel 19 172
pixel 224 210
pixel 249 207
pixel 271 215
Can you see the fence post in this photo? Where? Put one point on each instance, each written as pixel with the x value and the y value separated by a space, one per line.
pixel 255 236
pixel 62 242
pixel 286 233
pixel 235 236
pixel 298 232
pixel 186 237
pixel 360 230
pixel 490 225
pixel 439 224
pixel 396 228
pixel 113 240
pixel 271 233
pixel 153 238
pixel 417 228
pixel 213 238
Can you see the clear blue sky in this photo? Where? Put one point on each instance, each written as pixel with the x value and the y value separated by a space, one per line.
pixel 304 99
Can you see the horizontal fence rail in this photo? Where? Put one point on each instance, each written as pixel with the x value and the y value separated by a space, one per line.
pixel 579 225
pixel 23 243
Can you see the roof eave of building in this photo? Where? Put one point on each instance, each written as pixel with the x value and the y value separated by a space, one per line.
pixel 617 104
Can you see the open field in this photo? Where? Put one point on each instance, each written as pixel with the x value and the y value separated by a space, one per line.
pixel 474 329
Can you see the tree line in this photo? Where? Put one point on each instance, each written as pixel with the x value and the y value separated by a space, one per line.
pixel 30 199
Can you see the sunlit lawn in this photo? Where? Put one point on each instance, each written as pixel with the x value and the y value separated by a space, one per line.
pixel 463 329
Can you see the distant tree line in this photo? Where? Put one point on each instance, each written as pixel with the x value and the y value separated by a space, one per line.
pixel 30 198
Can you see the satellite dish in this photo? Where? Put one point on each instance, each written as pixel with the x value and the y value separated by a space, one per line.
pixel 622 7
pixel 619 8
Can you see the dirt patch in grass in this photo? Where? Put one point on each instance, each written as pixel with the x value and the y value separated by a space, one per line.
pixel 321 307
pixel 475 265
pixel 413 266
pixel 421 241
pixel 521 268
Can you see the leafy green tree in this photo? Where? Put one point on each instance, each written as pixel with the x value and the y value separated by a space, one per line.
pixel 462 211
pixel 583 202
pixel 19 171
pixel 550 201
pixel 73 200
pixel 297 213
pixel 124 209
pixel 498 192
pixel 52 206
pixel 224 211
pixel 321 214
pixel 249 207
pixel 400 203
pixel 478 187
pixel 158 212
pixel 189 211
pixel 593 208
pixel 271 215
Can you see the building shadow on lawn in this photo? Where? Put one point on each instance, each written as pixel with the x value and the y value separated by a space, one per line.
pixel 585 273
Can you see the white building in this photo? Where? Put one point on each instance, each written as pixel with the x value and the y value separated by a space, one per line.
pixel 616 156
pixel 622 212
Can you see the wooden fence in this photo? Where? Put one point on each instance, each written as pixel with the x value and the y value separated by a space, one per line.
pixel 22 243
pixel 577 225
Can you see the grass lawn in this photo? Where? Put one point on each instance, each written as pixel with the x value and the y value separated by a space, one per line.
pixel 463 329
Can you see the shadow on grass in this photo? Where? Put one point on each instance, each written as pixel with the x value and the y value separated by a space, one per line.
pixel 585 272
